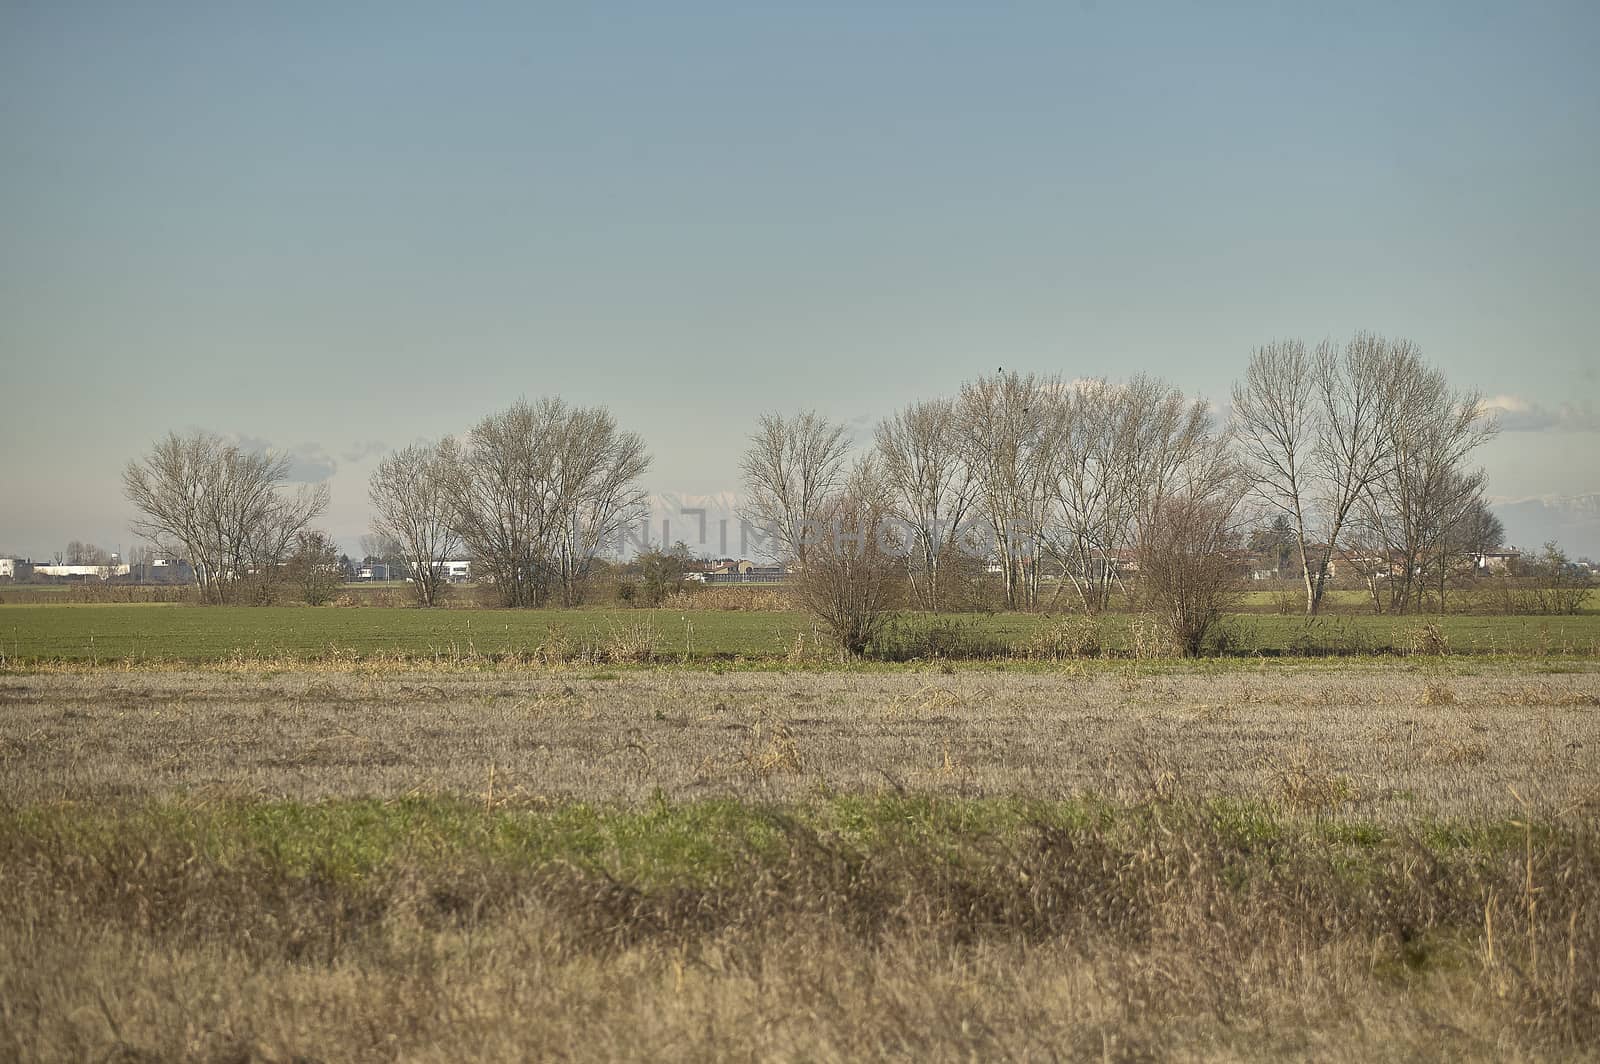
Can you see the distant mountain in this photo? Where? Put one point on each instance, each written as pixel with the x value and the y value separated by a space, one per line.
pixel 1571 520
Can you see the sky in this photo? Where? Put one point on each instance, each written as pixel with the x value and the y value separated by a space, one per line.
pixel 337 228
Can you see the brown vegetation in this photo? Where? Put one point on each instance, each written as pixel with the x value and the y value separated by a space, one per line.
pixel 559 735
pixel 348 863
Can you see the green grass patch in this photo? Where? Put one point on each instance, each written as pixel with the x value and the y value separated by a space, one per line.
pixel 159 633
pixel 665 842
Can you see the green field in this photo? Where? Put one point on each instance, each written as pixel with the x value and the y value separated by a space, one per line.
pixel 33 633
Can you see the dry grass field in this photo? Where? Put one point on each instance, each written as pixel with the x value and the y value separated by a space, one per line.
pixel 1397 740
pixel 1386 861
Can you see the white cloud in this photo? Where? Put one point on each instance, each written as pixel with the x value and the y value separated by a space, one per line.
pixel 1516 414
pixel 309 463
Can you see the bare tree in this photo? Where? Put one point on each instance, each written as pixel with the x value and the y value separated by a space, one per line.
pixel 81 553
pixel 1278 429
pixel 791 469
pixel 597 491
pixel 314 567
pixel 848 582
pixel 411 507
pixel 1427 488
pixel 270 544
pixel 538 489
pixel 1474 531
pixel 929 487
pixel 1315 429
pixel 220 506
pixel 1121 448
pixel 1010 427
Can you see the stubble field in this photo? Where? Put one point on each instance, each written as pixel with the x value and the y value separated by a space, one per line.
pixel 1387 860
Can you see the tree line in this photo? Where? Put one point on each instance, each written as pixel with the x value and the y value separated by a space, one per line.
pixel 533 494
pixel 1359 453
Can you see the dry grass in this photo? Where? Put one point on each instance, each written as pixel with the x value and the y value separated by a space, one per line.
pixel 255 863
pixel 1438 693
pixel 731 597
pixel 835 932
pixel 309 734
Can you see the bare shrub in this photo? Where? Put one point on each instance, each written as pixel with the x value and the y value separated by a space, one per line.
pixel 848 582
pixel 1557 586
pixel 1438 693
pixel 1071 637
pixel 633 642
pixel 314 568
pixel 1428 638
pixel 1306 784
pixel 1189 579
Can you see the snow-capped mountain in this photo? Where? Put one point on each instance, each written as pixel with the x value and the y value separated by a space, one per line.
pixel 1573 521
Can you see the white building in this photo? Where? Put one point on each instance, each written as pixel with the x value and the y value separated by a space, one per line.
pixel 8 568
pixel 455 572
pixel 1498 561
pixel 99 572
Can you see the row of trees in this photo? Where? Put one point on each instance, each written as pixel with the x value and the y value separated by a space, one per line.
pixel 1356 452
pixel 1365 448
pixel 533 493
pixel 1359 450
pixel 227 510
pixel 1017 469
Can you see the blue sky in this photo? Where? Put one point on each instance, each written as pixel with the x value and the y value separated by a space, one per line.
pixel 336 228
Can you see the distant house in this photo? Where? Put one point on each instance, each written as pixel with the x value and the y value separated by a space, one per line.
pixel 730 571
pixel 375 571
pixel 8 568
pixel 1499 560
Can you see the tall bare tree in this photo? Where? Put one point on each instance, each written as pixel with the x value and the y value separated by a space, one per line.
pixel 1428 487
pixel 1120 448
pixel 1314 429
pixel 538 489
pixel 1010 426
pixel 220 506
pixel 411 508
pixel 929 488
pixel 791 469
pixel 597 491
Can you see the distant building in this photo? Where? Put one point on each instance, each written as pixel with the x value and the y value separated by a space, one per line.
pixel 730 571
pixel 455 571
pixel 1497 561
pixel 98 572
pixel 375 571
pixel 8 568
